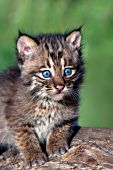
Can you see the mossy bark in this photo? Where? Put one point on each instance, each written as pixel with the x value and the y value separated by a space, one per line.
pixel 91 149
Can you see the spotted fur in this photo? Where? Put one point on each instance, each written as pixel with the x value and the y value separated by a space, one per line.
pixel 41 117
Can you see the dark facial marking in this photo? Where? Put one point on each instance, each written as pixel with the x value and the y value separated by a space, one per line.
pixel 46 46
pixel 48 63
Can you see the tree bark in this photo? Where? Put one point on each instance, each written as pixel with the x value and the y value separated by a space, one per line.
pixel 91 149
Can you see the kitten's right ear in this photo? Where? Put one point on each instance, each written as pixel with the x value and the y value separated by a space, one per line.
pixel 25 46
pixel 73 38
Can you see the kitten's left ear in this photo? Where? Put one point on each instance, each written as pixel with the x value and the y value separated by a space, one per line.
pixel 26 48
pixel 26 45
pixel 74 38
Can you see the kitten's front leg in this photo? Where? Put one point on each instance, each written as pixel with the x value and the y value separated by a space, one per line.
pixel 58 140
pixel 28 144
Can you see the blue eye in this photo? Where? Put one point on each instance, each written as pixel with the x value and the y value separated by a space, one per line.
pixel 67 71
pixel 46 74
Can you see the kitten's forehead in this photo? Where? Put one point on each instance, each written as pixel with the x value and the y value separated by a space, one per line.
pixel 54 44
pixel 56 48
pixel 55 51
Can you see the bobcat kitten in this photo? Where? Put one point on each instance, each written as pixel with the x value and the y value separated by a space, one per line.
pixel 40 96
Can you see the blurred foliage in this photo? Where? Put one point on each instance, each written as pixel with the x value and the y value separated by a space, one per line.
pixel 37 16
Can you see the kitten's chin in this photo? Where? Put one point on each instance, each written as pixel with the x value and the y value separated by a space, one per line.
pixel 58 96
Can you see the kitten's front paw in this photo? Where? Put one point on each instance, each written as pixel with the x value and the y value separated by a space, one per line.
pixel 35 161
pixel 57 149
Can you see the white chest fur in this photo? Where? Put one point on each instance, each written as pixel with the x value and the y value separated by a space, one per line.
pixel 45 124
pixel 50 115
pixel 48 118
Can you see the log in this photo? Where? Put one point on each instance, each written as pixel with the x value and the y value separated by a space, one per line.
pixel 91 149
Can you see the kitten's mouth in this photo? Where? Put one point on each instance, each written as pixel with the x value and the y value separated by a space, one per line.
pixel 58 93
pixel 58 96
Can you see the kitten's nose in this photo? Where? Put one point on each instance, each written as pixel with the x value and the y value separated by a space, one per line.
pixel 60 87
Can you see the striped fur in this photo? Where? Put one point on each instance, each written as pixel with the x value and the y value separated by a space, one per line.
pixel 41 118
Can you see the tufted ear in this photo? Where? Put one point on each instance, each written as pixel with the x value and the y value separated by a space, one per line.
pixel 74 38
pixel 26 47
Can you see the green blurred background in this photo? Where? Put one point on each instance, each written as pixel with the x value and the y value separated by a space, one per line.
pixel 38 16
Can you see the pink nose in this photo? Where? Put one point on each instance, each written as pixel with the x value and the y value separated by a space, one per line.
pixel 59 87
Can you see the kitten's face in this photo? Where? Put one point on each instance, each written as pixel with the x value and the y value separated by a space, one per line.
pixel 51 65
